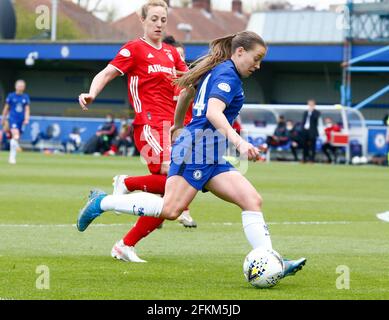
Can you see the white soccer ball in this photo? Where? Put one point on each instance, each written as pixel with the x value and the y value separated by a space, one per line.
pixel 363 160
pixel 263 268
pixel 356 160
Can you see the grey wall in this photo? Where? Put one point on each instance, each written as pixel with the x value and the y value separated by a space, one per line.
pixel 68 85
pixel 54 91
pixel 283 83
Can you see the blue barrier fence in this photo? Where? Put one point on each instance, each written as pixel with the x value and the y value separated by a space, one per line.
pixel 376 140
pixel 61 127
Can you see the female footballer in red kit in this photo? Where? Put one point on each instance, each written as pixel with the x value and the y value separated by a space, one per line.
pixel 150 66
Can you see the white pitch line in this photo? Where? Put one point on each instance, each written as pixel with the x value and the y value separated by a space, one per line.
pixel 97 225
pixel 288 223
pixel 312 222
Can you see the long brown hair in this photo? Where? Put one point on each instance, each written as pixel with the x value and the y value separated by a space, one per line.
pixel 221 49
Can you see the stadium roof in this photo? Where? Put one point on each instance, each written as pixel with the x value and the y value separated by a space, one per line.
pixel 204 25
pixel 87 23
pixel 297 26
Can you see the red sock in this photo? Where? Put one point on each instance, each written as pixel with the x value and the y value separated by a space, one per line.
pixel 141 229
pixel 153 183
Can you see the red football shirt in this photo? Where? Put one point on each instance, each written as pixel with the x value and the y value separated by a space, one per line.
pixel 328 130
pixel 150 72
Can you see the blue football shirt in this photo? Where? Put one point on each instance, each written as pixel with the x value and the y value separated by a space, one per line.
pixel 200 136
pixel 17 106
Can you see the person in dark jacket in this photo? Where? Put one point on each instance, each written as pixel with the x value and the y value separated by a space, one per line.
pixel 101 141
pixel 280 135
pixel 310 131
pixel 294 134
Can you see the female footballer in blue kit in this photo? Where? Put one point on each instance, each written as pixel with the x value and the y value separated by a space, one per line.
pixel 196 161
pixel 17 109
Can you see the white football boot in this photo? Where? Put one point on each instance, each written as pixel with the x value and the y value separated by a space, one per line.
pixel 125 253
pixel 119 186
pixel 186 220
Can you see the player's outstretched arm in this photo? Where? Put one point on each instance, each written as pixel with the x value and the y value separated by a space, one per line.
pixel 27 115
pixel 216 116
pixel 98 84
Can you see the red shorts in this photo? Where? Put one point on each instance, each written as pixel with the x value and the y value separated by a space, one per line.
pixel 153 145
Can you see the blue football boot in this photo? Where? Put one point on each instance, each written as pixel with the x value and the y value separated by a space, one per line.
pixel 91 210
pixel 291 267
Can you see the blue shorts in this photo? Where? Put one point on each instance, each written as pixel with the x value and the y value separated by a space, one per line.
pixel 198 175
pixel 16 125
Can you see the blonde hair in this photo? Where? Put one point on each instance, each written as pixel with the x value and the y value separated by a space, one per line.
pixel 20 81
pixel 152 3
pixel 221 49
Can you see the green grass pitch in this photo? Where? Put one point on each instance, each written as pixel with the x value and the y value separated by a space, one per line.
pixel 325 213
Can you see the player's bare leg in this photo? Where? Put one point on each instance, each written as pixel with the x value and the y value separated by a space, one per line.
pixel 185 218
pixel 235 188
pixel 14 146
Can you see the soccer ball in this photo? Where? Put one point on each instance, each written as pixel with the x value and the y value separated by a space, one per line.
pixel 363 160
pixel 356 160
pixel 263 268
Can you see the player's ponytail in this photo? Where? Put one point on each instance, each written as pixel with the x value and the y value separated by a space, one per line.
pixel 221 49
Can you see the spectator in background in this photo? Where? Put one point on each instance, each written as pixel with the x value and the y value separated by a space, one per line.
pixel 124 138
pixel 73 142
pixel 327 147
pixel 5 136
pixel 101 141
pixel 280 135
pixel 294 134
pixel 106 134
pixel 310 131
pixel 46 135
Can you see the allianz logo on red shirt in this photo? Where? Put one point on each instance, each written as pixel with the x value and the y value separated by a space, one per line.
pixel 158 68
